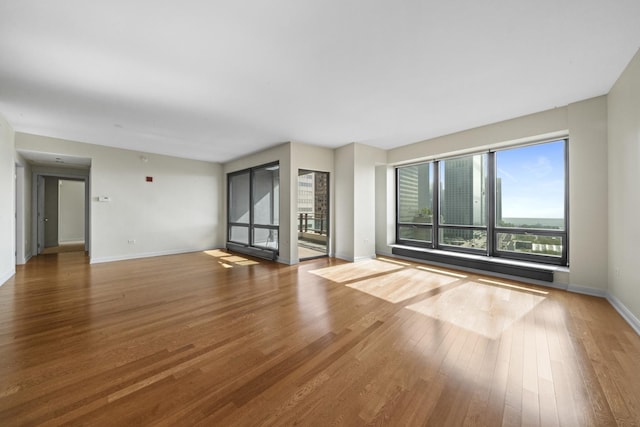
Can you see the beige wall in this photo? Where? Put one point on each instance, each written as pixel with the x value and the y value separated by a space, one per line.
pixel 624 193
pixel 344 158
pixel 588 195
pixel 7 192
pixel 178 212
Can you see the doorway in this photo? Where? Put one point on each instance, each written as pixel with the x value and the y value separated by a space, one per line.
pixel 313 214
pixel 61 214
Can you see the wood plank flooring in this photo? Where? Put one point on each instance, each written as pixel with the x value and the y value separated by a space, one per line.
pixel 212 338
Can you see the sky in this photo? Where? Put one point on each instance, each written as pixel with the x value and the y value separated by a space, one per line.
pixel 532 181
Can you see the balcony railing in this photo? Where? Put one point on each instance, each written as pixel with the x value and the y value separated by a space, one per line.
pixel 310 223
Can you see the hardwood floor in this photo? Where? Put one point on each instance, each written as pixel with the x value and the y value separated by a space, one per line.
pixel 219 339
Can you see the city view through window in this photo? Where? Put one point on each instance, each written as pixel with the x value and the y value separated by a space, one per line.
pixel 524 186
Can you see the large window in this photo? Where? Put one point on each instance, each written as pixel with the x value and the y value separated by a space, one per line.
pixel 463 202
pixel 415 204
pixel 509 203
pixel 253 206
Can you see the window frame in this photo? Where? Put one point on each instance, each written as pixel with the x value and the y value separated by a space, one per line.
pixel 251 226
pixel 491 227
pixel 413 224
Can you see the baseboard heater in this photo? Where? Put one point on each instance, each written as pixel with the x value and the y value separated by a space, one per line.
pixel 478 264
pixel 253 251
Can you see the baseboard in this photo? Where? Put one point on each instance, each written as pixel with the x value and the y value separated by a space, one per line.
pixel 344 257
pixel 385 253
pixel 99 260
pixel 4 277
pixel 626 314
pixel 587 291
pixel 23 261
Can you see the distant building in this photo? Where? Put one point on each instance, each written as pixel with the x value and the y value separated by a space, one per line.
pixel 415 192
pixel 463 197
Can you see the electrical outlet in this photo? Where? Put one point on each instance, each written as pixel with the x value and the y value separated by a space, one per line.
pixel 131 241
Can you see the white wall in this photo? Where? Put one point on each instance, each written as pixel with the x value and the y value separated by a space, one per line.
pixel 385 211
pixel 178 212
pixel 344 202
pixel 71 211
pixel 624 193
pixel 311 157
pixel 23 232
pixel 548 123
pixel 7 207
pixel 356 200
pixel 366 159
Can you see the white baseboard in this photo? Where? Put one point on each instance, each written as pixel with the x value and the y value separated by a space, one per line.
pixel 99 260
pixel 344 257
pixel 626 314
pixel 4 277
pixel 23 261
pixel 587 290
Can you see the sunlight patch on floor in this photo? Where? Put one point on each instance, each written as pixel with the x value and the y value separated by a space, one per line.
pixel 401 285
pixel 512 286
pixel 394 261
pixel 217 253
pixel 445 272
pixel 354 271
pixel 228 260
pixel 481 308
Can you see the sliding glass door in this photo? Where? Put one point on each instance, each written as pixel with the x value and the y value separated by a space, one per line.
pixel 313 214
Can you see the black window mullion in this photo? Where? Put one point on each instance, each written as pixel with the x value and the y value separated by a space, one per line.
pixel 251 225
pixel 251 207
pixel 565 247
pixel 398 205
pixel 491 203
pixel 435 195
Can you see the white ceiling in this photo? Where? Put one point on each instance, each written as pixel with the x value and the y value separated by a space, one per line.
pixel 215 80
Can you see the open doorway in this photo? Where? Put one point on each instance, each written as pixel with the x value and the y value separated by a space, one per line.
pixel 313 214
pixel 61 214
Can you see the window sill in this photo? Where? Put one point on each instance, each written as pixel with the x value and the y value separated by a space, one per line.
pixel 528 270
